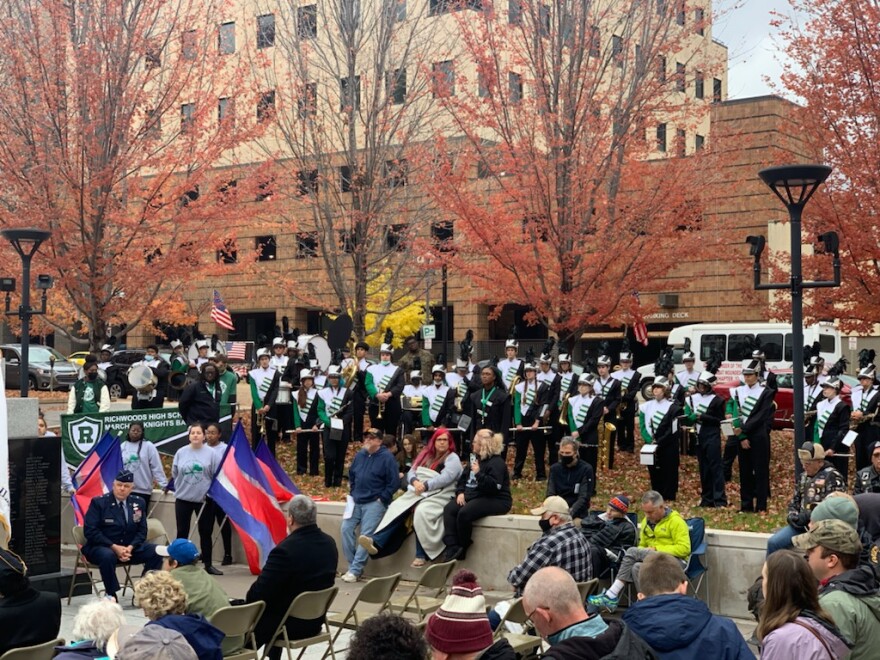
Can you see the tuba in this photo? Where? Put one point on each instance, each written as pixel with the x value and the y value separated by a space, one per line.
pixel 604 453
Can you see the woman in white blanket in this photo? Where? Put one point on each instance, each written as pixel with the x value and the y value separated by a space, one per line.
pixel 431 480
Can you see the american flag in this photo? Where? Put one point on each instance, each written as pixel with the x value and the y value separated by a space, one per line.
pixel 236 350
pixel 640 330
pixel 219 314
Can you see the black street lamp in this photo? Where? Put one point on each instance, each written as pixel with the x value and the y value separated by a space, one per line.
pixel 26 242
pixel 795 185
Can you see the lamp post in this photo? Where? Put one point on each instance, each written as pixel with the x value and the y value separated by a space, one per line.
pixel 26 242
pixel 795 185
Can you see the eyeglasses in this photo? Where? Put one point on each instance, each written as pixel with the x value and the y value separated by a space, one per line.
pixel 530 615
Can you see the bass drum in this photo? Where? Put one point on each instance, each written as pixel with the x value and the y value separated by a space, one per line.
pixel 321 348
pixel 142 379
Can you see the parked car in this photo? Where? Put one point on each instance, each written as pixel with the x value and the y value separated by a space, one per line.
pixel 121 361
pixel 78 358
pixel 44 363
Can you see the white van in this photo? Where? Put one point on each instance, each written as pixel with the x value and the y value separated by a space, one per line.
pixel 733 338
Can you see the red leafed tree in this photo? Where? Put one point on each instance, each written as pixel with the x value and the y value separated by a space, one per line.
pixel 562 192
pixel 835 71
pixel 109 134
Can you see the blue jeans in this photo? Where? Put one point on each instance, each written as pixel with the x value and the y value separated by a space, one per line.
pixel 781 539
pixel 367 516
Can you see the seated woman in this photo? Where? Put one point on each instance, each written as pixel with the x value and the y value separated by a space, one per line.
pixel 408 452
pixel 92 627
pixel 483 490
pixel 431 485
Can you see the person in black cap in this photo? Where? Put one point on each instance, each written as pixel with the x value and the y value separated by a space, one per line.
pixel 27 616
pixel 115 528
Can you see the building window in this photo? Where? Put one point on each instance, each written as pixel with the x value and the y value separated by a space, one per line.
pixel 443 233
pixel 680 80
pixel 482 86
pixel 190 45
pixel 700 21
pixel 395 173
pixel 514 12
pixel 226 110
pixel 699 142
pixel 345 178
pixel 266 247
pixel 187 117
pixel 444 79
pixel 515 86
pixel 307 22
pixel 307 103
pixel 661 7
pixel 266 106
pixel 307 182
pixel 226 38
pixel 264 190
pixel 680 142
pixel 153 124
pixel 395 86
pixel 595 41
pixel 266 31
pixel 350 95
pixel 617 50
pixel 228 254
pixel 699 92
pixel 681 14
pixel 661 69
pixel 306 244
pixel 395 238
pixel 716 90
pixel 661 138
pixel 397 9
pixel 544 20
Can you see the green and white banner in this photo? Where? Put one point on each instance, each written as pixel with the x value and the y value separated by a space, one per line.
pixel 164 427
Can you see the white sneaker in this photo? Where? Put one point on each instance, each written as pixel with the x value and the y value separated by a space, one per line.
pixel 349 577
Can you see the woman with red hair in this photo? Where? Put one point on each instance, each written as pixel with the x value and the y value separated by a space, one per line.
pixel 430 486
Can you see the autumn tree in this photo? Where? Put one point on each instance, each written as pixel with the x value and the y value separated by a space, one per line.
pixel 834 70
pixel 353 111
pixel 112 118
pixel 561 159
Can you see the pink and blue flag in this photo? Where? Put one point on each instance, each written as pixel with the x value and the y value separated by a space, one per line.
pixel 241 489
pixel 95 474
pixel 281 483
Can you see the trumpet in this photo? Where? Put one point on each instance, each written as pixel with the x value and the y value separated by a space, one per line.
pixel 604 452
pixel 381 410
pixel 854 423
pixel 563 410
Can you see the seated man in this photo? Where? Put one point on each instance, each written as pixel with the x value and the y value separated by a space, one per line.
pixel 27 616
pixel 610 535
pixel 572 479
pixel 554 604
pixel 304 561
pixel 115 527
pixel 664 530
pixel 818 479
pixel 676 625
pixel 561 544
pixel 204 595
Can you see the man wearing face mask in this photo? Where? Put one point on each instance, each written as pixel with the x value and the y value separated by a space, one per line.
pixel 572 479
pixel 89 394
pixel 154 398
pixel 561 544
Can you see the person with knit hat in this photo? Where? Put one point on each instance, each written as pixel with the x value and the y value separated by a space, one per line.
pixel 460 628
pixel 610 534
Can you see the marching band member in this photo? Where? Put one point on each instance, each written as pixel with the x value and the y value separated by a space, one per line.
pixel 658 422
pixel 105 360
pixel 704 410
pixel 687 377
pixel 179 365
pixel 409 418
pixel 529 396
pixel 294 366
pixel 609 389
pixel 832 424
pixel 335 403
pixel 818 364
pixel 279 359
pixel 864 407
pixel 202 357
pixel 228 381
pixel 768 378
pixel 318 374
pixel 751 408
pixel 553 381
pixel 567 384
pixel 306 421
pixel 156 397
pixel 264 388
pixel 463 382
pixel 585 412
pixel 384 383
pixel 438 399
pixel 359 391
pixel 511 366
pixel 491 405
pixel 630 380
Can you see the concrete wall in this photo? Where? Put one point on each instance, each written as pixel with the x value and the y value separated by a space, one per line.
pixel 500 542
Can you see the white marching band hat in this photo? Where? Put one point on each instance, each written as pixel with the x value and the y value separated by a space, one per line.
pixel 438 368
pixel 587 379
pixel 415 373
pixel 386 348
pixel 564 357
pixel 626 356
pixel 263 352
pixel 202 343
pixel 511 343
pixel 306 373
pixel 604 361
pixel 279 341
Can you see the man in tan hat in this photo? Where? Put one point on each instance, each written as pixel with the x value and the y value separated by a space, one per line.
pixel 850 593
pixel 818 479
pixel 561 544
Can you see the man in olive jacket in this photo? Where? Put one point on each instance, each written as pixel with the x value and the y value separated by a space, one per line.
pixel 304 561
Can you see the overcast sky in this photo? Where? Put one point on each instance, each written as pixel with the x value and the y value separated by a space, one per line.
pixel 753 45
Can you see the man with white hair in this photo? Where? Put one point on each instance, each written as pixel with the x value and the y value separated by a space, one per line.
pixel 554 605
pixel 93 626
pixel 304 561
